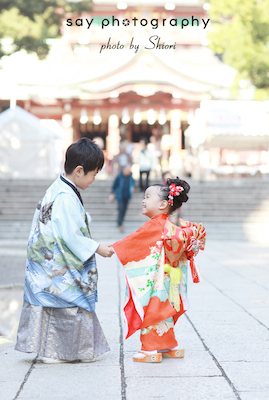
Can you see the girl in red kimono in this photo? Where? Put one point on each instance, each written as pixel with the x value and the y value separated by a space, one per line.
pixel 155 259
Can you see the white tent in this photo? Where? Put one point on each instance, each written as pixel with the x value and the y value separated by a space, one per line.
pixel 28 149
pixel 234 125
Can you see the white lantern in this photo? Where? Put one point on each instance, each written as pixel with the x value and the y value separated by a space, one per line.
pixel 125 116
pixel 137 116
pixel 151 117
pixel 83 116
pixel 162 117
pixel 97 117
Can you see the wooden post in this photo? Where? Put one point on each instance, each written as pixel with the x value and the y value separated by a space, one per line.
pixel 113 137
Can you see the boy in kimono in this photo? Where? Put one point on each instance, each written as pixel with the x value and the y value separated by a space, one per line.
pixel 155 259
pixel 58 321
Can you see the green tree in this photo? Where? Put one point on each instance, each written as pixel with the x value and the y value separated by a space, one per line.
pixel 240 32
pixel 29 23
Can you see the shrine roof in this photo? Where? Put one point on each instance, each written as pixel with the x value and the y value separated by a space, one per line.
pixel 151 2
pixel 65 73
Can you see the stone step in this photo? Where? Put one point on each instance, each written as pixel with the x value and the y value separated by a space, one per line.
pixel 106 207
pixel 11 227
pixel 230 209
pixel 114 235
pixel 203 189
pixel 28 195
pixel 97 185
pixel 11 232
pixel 31 198
pixel 106 179
pixel 209 198
pixel 198 218
pixel 133 214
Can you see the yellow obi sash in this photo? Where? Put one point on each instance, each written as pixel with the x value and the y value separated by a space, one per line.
pixel 175 276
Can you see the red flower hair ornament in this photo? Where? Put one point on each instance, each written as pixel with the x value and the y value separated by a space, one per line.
pixel 174 191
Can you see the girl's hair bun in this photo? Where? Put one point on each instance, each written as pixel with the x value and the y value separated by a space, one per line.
pixel 177 200
pixel 182 198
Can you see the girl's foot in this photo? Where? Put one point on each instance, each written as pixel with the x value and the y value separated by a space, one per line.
pixel 174 352
pixel 120 228
pixel 48 360
pixel 148 356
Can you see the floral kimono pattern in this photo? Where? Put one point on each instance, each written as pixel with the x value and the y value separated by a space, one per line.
pixel 61 268
pixel 155 259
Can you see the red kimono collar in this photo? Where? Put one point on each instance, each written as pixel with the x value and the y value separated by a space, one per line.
pixel 160 218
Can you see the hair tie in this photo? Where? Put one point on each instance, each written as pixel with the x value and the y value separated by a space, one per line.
pixel 173 192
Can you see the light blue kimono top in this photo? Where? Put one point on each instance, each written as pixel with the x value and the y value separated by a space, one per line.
pixel 61 268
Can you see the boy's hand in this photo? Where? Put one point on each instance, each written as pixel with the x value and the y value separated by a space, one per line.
pixel 105 250
pixel 111 197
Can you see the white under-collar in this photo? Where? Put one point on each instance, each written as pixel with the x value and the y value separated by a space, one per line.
pixel 72 183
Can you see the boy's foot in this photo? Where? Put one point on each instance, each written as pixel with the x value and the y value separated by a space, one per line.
pixel 87 361
pixel 48 360
pixel 120 228
pixel 148 356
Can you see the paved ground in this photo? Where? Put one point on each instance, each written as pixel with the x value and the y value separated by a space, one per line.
pixel 225 334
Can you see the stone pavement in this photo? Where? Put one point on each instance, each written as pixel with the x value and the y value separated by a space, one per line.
pixel 225 335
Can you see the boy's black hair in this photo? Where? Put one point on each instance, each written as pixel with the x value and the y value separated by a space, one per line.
pixel 85 153
pixel 177 200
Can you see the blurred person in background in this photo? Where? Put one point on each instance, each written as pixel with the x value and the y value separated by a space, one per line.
pixel 155 147
pixel 130 148
pixel 145 162
pixel 189 162
pixel 122 190
pixel 166 175
pixel 122 159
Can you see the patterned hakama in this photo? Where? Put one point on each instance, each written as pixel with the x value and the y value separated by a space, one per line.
pixel 63 333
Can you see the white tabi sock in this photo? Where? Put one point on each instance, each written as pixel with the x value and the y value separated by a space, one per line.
pixel 166 350
pixel 141 355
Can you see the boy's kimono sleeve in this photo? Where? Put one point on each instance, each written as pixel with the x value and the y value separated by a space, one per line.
pixel 68 224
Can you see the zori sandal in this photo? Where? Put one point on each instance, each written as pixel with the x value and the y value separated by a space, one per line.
pixel 48 360
pixel 148 358
pixel 174 353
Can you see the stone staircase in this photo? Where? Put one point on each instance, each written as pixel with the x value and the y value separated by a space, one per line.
pixel 229 209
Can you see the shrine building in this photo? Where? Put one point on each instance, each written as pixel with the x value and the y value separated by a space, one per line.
pixel 124 71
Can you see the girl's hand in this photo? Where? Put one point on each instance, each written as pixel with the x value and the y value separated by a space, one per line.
pixel 111 197
pixel 105 250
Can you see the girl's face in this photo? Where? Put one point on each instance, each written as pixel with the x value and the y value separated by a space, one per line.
pixel 152 204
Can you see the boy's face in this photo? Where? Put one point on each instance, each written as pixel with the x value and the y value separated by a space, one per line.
pixel 152 202
pixel 83 181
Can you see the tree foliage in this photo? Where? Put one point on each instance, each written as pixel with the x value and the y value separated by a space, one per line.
pixel 240 31
pixel 29 23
